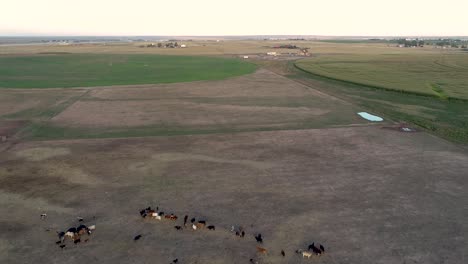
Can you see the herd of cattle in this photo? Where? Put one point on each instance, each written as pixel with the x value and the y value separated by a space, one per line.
pixel 82 232
pixel 149 213
pixel 75 234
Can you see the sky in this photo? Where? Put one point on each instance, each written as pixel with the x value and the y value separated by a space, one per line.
pixel 234 17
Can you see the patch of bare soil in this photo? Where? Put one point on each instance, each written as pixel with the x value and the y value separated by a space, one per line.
pixel 175 112
pixel 12 200
pixel 9 128
pixel 261 83
pixel 41 153
pixel 50 162
pixel 9 104
pixel 178 157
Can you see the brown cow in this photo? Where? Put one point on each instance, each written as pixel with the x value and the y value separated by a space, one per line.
pixel 261 250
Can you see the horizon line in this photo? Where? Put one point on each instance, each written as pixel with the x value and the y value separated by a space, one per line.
pixel 246 35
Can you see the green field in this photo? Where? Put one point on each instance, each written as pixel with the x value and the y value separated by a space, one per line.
pixel 84 70
pixel 443 75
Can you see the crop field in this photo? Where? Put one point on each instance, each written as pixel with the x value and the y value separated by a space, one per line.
pixel 258 145
pixel 440 74
pixel 79 70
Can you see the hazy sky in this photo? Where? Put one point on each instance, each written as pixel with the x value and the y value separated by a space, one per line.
pixel 234 17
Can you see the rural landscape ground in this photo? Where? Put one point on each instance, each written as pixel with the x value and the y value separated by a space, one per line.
pixel 270 143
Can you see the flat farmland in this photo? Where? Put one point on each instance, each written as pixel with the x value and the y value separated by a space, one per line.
pixel 260 98
pixel 370 195
pixel 440 74
pixel 177 112
pixel 84 70
pixel 259 101
pixel 211 48
pixel 282 154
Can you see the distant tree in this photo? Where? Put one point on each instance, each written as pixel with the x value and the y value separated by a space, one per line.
pixel 159 45
pixel 176 45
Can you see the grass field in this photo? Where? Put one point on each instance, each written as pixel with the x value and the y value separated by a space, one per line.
pixel 444 75
pixel 79 70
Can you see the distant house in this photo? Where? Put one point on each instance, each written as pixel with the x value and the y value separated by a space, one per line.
pixel 272 53
pixel 246 57
pixel 183 46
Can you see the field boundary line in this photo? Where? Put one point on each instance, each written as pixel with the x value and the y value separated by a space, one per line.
pixel 310 88
pixel 66 104
pixel 70 102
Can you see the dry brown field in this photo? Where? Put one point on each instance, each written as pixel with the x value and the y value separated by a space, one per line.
pixel 370 195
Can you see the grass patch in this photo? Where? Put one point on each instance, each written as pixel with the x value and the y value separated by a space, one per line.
pixel 82 70
pixel 438 90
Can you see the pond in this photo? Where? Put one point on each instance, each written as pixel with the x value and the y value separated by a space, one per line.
pixel 370 117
